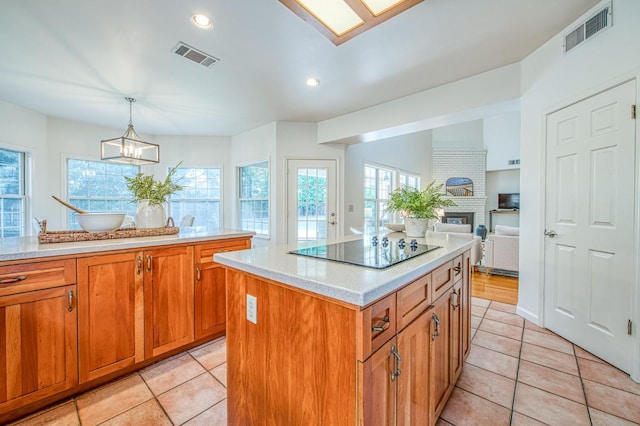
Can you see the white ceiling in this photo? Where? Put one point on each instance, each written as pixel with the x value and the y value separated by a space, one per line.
pixel 78 59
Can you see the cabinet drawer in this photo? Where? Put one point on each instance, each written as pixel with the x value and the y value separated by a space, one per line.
pixel 36 276
pixel 377 324
pixel 442 280
pixel 457 268
pixel 205 252
pixel 413 300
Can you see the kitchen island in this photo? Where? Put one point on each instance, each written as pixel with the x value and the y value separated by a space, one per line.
pixel 311 341
pixel 76 315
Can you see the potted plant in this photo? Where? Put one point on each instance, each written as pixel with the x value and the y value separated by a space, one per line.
pixel 151 195
pixel 417 207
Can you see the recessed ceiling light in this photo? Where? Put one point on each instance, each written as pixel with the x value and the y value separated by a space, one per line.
pixel 202 21
pixel 313 82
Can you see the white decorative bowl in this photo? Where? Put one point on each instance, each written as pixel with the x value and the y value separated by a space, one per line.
pixel 395 227
pixel 100 222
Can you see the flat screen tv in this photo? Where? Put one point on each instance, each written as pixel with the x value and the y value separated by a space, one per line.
pixel 509 201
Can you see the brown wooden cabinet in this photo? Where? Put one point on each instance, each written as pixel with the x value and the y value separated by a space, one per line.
pixel 455 329
pixel 441 383
pixel 465 301
pixel 110 313
pixel 168 299
pixel 210 310
pixel 38 345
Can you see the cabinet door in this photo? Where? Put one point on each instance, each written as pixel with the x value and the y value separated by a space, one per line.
pixel 441 376
pixel 378 388
pixel 455 331
pixel 168 299
pixel 414 348
pixel 210 310
pixel 466 306
pixel 38 341
pixel 110 313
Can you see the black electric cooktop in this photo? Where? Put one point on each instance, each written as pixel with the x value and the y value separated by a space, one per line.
pixel 371 252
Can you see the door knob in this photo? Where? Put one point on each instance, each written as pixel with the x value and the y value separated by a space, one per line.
pixel 550 233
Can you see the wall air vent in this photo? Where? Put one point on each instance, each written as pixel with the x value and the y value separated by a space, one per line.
pixel 194 54
pixel 588 28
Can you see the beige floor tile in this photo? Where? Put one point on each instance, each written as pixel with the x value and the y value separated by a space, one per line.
pixel 220 373
pixel 478 301
pixel 110 400
pixel 504 307
pixel 478 311
pixel 504 317
pixel 549 341
pixel 211 355
pixel 501 329
pixel 488 385
pixel 64 414
pixel 496 362
pixel 549 408
pixel 518 419
pixel 189 399
pixel 607 375
pixel 475 321
pixel 599 418
pixel 168 374
pixel 550 380
pixel 613 401
pixel 550 358
pixel 531 326
pixel 581 353
pixel 147 413
pixel 497 343
pixel 214 416
pixel 473 333
pixel 465 408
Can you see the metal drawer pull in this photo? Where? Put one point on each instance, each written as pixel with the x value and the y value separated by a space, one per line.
pixel 138 265
pixel 395 353
pixel 383 327
pixel 197 273
pixel 437 321
pixel 457 269
pixel 148 263
pixel 70 300
pixel 457 304
pixel 13 280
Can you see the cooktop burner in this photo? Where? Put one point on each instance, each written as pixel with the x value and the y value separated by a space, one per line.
pixel 373 252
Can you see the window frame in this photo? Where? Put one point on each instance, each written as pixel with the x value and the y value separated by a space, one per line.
pixel 219 200
pixel 24 191
pixel 240 199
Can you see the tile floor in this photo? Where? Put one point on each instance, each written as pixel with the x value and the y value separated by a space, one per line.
pixel 516 374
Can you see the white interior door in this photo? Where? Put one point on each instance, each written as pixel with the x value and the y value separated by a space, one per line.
pixel 311 198
pixel 590 190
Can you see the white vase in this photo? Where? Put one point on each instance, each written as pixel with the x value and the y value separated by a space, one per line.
pixel 150 215
pixel 415 227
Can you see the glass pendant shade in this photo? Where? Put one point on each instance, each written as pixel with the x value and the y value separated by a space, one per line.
pixel 130 148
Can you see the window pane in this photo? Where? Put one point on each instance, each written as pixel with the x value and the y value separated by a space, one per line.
pixel 199 197
pixel 254 198
pixel 12 193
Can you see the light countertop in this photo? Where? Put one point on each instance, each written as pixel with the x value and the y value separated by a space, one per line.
pixel 28 247
pixel 352 284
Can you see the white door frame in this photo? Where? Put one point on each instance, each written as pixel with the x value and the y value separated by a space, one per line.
pixel 635 310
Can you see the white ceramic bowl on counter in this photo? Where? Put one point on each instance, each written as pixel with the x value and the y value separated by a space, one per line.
pixel 100 222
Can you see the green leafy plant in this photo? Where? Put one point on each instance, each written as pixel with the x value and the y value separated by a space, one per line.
pixel 145 187
pixel 413 203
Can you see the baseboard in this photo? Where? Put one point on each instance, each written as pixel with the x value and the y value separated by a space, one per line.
pixel 503 272
pixel 529 316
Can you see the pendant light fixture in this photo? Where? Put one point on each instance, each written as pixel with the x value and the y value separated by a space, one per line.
pixel 130 148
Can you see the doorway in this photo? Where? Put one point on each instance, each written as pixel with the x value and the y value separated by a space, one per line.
pixel 589 220
pixel 311 200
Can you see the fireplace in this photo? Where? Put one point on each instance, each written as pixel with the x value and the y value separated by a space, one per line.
pixel 462 218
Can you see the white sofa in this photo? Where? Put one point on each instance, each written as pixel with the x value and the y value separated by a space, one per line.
pixel 501 249
pixel 460 231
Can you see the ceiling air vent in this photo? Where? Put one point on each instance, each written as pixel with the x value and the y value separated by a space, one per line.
pixel 587 29
pixel 194 54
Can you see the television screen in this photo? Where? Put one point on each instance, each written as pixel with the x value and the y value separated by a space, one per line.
pixel 509 201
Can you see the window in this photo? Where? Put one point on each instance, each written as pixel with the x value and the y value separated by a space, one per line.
pixel 378 183
pixel 254 198
pixel 99 186
pixel 12 193
pixel 409 179
pixel 200 196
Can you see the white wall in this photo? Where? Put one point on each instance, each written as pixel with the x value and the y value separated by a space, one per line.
pixel 410 153
pixel 463 136
pixel 502 182
pixel 551 79
pixel 501 135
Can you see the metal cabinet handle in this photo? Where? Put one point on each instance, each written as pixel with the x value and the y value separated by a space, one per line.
pixel 70 300
pixel 457 304
pixel 395 353
pixel 148 263
pixel 383 326
pixel 13 280
pixel 138 265
pixel 197 273
pixel 457 269
pixel 437 321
